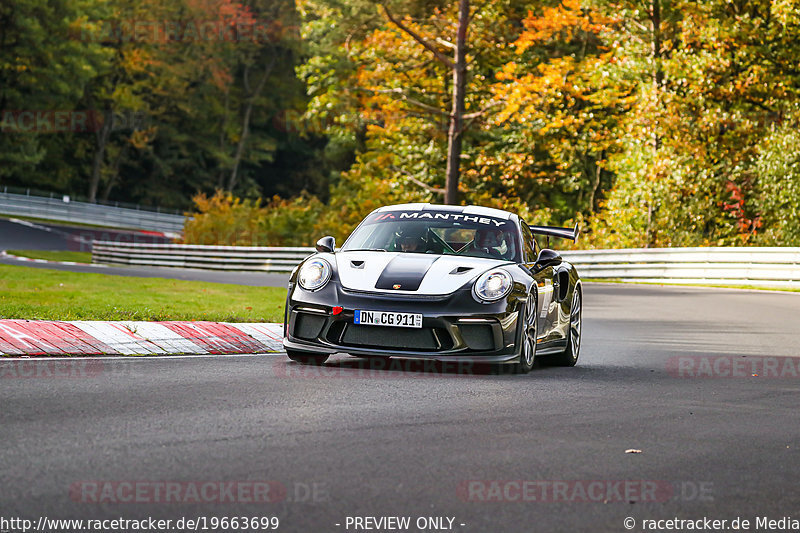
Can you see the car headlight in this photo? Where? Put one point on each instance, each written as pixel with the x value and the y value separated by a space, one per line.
pixel 492 285
pixel 314 274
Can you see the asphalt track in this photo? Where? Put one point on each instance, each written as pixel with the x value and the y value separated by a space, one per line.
pixel 41 236
pixel 17 234
pixel 356 440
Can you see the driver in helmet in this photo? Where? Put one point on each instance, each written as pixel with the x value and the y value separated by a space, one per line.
pixel 412 240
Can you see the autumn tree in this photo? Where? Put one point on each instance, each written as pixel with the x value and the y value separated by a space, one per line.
pixel 689 172
pixel 561 109
pixel 458 66
pixel 42 68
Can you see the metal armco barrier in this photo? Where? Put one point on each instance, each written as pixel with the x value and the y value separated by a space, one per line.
pixel 775 267
pixel 767 267
pixel 86 213
pixel 250 258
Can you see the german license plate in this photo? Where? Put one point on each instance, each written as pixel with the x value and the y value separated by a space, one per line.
pixel 388 318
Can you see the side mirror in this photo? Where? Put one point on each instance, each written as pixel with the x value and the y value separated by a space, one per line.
pixel 326 244
pixel 547 258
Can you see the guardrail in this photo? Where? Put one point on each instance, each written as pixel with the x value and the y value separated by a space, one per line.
pixel 244 258
pixel 767 267
pixel 776 267
pixel 64 210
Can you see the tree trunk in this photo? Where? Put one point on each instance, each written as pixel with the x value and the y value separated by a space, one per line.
pixel 455 133
pixel 99 153
pixel 658 72
pixel 598 173
pixel 246 123
pixel 237 158
pixel 112 179
pixel 222 128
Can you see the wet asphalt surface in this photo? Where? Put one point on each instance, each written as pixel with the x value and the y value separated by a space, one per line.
pixel 704 382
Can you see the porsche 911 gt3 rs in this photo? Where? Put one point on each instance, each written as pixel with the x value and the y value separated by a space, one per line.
pixel 450 283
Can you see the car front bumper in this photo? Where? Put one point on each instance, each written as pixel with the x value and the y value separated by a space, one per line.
pixel 454 327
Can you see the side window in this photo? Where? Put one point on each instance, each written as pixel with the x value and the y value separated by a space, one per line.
pixel 528 243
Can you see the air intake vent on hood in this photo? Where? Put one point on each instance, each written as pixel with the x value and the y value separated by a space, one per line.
pixel 460 270
pixel 357 264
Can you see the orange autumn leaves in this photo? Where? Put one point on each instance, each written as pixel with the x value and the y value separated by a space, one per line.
pixel 562 22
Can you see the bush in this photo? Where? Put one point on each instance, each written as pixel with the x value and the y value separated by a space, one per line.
pixel 778 171
pixel 291 222
pixel 224 219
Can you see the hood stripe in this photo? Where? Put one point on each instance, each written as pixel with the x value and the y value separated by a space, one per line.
pixel 405 270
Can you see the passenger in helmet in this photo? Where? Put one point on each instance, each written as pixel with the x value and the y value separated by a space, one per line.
pixel 489 242
pixel 410 244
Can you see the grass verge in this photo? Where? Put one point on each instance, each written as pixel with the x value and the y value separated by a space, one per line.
pixel 54 255
pixel 40 294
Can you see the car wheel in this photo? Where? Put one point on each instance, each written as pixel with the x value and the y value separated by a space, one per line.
pixel 527 345
pixel 569 357
pixel 306 358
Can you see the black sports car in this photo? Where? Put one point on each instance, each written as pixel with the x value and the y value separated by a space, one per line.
pixel 450 283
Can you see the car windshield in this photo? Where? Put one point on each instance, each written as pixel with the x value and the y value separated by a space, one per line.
pixel 444 233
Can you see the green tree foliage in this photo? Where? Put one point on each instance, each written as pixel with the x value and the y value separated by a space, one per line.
pixel 42 68
pixel 645 120
pixel 379 92
pixel 715 79
pixel 187 97
pixel 651 123
pixel 776 195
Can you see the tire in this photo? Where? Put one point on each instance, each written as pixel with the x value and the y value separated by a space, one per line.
pixel 569 357
pixel 306 358
pixel 527 344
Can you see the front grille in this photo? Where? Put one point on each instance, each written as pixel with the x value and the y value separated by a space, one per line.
pixel 393 296
pixel 400 338
pixel 308 326
pixel 478 336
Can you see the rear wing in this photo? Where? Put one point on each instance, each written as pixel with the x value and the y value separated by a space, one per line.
pixel 555 231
